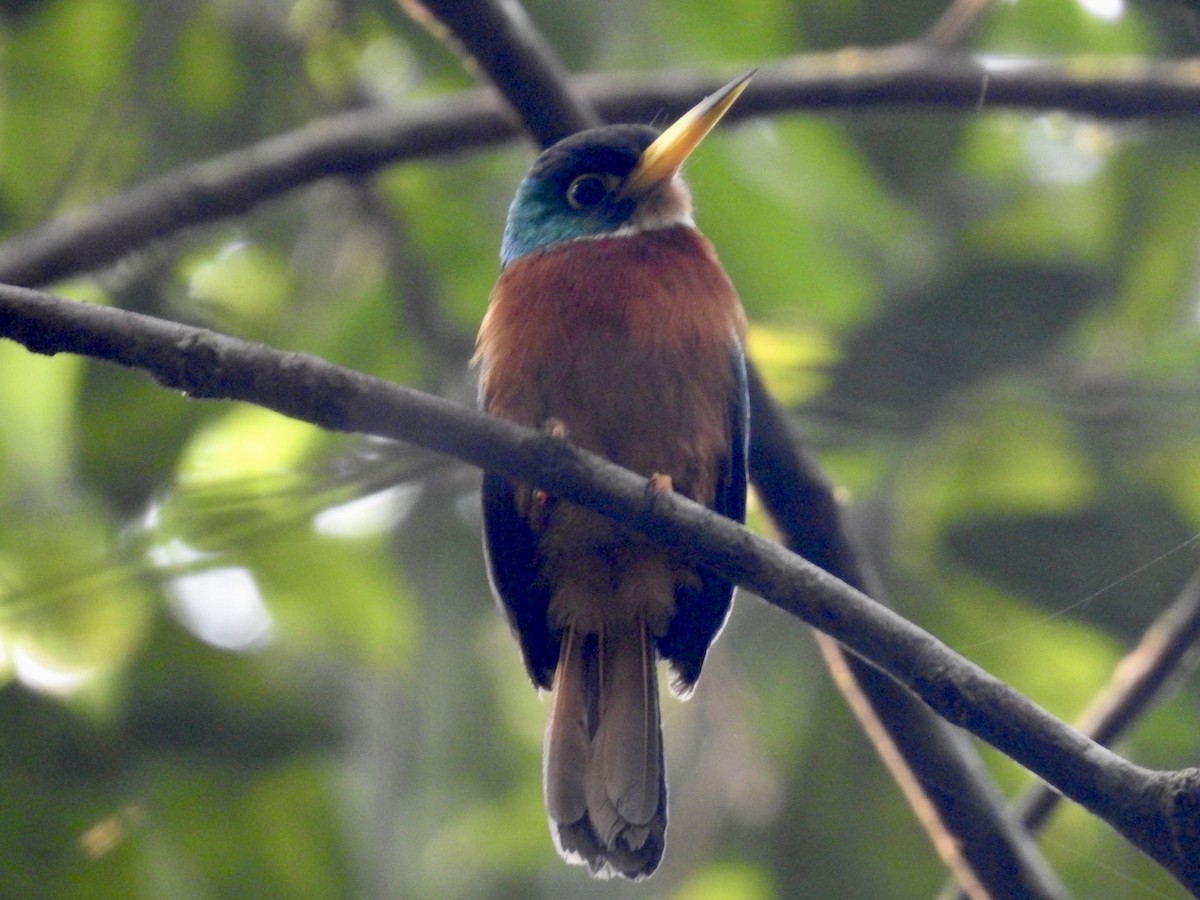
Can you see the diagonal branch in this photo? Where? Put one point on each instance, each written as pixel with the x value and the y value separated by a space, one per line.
pixel 957 24
pixel 1166 653
pixel 964 812
pixel 1159 812
pixel 501 40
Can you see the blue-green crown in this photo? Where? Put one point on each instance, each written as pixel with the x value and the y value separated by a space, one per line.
pixel 542 213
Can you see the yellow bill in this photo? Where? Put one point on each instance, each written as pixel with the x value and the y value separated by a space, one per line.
pixel 662 159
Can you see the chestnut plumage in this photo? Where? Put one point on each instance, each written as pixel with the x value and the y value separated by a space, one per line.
pixel 614 325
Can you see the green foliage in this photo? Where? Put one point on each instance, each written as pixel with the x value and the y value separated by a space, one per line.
pixel 239 657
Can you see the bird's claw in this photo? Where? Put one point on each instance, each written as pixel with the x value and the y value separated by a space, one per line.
pixel 541 502
pixel 660 484
pixel 539 511
pixel 555 428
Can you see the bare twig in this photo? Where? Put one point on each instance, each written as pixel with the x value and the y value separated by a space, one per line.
pixel 957 24
pixel 921 801
pixel 1167 650
pixel 1158 812
pixel 1161 657
pixel 968 805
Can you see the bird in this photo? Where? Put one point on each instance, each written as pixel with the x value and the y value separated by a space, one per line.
pixel 613 326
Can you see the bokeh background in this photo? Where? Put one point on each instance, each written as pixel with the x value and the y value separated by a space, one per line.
pixel 240 657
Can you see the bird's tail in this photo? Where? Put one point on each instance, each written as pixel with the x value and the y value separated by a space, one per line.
pixel 606 791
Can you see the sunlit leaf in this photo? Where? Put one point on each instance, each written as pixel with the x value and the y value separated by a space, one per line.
pixel 791 360
pixel 37 394
pixel 245 443
pixel 720 881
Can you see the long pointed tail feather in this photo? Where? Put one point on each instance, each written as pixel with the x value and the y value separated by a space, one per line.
pixel 568 735
pixel 606 792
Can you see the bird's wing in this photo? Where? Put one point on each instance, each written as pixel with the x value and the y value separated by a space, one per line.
pixel 701 610
pixel 510 548
pixel 731 487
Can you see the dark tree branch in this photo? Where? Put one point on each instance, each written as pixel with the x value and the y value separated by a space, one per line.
pixel 1166 652
pixel 917 748
pixel 501 40
pixel 957 24
pixel 1164 655
pixel 361 141
pixel 1159 812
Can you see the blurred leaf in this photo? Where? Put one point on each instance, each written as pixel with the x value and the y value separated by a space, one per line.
pixel 65 629
pixel 971 325
pixel 246 280
pixel 37 394
pixel 123 413
pixel 1000 457
pixel 726 881
pixel 1052 182
pixel 1066 27
pixel 208 74
pixel 800 221
pixel 247 442
pixel 750 31
pixel 1159 268
pixel 1174 468
pixel 56 74
pixel 1121 568
pixel 790 360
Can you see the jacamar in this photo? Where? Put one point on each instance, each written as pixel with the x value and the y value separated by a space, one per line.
pixel 613 326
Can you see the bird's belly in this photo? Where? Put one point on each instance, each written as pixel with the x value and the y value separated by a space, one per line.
pixel 648 414
pixel 640 366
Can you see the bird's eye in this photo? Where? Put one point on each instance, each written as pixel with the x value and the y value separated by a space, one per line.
pixel 587 190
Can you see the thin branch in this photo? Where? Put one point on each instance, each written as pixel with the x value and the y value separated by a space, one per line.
pixel 971 808
pixel 351 143
pixel 1158 812
pixel 922 802
pixel 1165 653
pixel 502 41
pixel 957 24
pixel 361 141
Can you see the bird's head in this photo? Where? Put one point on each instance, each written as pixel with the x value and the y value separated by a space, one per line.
pixel 614 179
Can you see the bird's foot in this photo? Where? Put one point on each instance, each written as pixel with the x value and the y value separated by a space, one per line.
pixel 541 502
pixel 556 428
pixel 661 484
pixel 539 509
